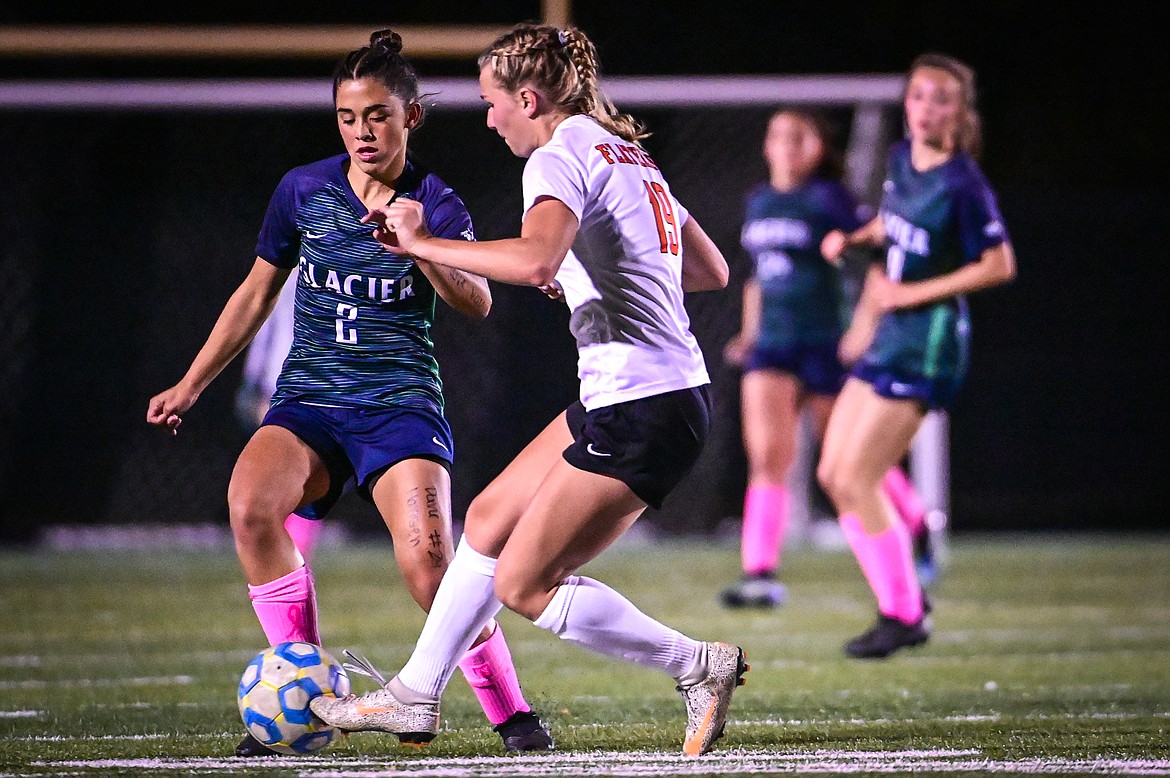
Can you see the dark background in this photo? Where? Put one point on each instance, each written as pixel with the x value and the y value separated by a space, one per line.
pixel 124 233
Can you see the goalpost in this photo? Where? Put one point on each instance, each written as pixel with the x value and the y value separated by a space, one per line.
pixel 708 131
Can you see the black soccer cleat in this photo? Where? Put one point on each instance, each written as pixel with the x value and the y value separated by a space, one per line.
pixel 250 746
pixel 889 635
pixel 761 590
pixel 524 731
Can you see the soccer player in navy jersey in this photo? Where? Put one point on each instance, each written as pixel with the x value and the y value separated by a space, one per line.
pixel 359 400
pixel 794 313
pixel 944 238
pixel 602 228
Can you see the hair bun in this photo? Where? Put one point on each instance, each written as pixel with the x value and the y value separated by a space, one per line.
pixel 386 39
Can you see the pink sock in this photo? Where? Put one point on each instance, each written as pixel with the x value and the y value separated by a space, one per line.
pixel 765 514
pixel 906 501
pixel 887 562
pixel 304 533
pixel 287 607
pixel 488 668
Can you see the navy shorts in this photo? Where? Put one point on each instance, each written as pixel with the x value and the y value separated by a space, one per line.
pixel 648 444
pixel 357 444
pixel 816 366
pixel 931 393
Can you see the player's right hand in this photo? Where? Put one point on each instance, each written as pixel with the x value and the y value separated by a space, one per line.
pixel 165 409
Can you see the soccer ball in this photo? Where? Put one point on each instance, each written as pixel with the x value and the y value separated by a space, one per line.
pixel 274 695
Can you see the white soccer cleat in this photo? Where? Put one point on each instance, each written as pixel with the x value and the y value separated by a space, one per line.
pixel 708 700
pixel 380 711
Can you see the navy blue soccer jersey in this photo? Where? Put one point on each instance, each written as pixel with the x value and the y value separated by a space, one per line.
pixel 936 221
pixel 362 313
pixel 801 298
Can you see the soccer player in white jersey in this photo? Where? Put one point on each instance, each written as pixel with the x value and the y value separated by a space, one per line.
pixel 601 227
pixel 359 401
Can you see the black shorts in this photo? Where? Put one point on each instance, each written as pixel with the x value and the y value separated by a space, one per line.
pixel 648 444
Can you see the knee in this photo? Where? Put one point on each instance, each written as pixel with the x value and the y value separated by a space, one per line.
pixel 520 594
pixel 833 480
pixel 488 523
pixel 845 486
pixel 251 513
pixel 423 582
pixel 479 510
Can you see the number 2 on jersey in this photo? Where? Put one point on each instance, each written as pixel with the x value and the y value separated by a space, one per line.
pixel 663 217
pixel 346 313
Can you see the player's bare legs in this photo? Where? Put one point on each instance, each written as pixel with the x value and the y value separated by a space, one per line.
pixel 770 403
pixel 276 473
pixel 414 498
pixel 867 435
pixel 574 516
pixel 495 511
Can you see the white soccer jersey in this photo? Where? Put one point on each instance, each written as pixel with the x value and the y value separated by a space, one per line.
pixel 623 277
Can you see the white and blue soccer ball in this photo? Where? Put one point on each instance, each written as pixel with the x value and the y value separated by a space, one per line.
pixel 274 695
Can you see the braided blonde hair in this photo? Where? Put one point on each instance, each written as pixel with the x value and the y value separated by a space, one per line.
pixel 562 64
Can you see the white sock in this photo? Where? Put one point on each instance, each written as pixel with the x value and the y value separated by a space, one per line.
pixel 464 604
pixel 590 614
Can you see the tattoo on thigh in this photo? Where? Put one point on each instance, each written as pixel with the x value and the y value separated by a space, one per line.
pixel 413 519
pixel 435 552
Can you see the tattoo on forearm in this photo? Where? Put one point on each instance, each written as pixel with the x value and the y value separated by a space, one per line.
pixel 459 280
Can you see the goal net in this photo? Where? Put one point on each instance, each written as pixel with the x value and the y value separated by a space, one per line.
pixel 178 173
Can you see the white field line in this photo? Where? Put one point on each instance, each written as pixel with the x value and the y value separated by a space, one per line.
pixel 635 764
pixel 87 683
pixel 976 718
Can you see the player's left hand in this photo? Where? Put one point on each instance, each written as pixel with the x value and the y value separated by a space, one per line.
pixel 553 290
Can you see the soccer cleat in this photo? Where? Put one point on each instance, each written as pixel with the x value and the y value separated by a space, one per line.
pixel 250 746
pixel 524 731
pixel 888 635
pixel 380 711
pixel 761 590
pixel 708 700
pixel 930 548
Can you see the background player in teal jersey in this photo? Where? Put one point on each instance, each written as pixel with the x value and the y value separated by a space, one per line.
pixel 359 400
pixel 794 313
pixel 944 238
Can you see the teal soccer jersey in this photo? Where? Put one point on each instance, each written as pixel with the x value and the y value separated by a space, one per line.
pixel 800 293
pixel 363 314
pixel 935 221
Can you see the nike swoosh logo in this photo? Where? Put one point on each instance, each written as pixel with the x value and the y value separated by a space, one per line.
pixel 900 388
pixel 366 710
pixel 315 235
pixel 595 452
pixel 439 443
